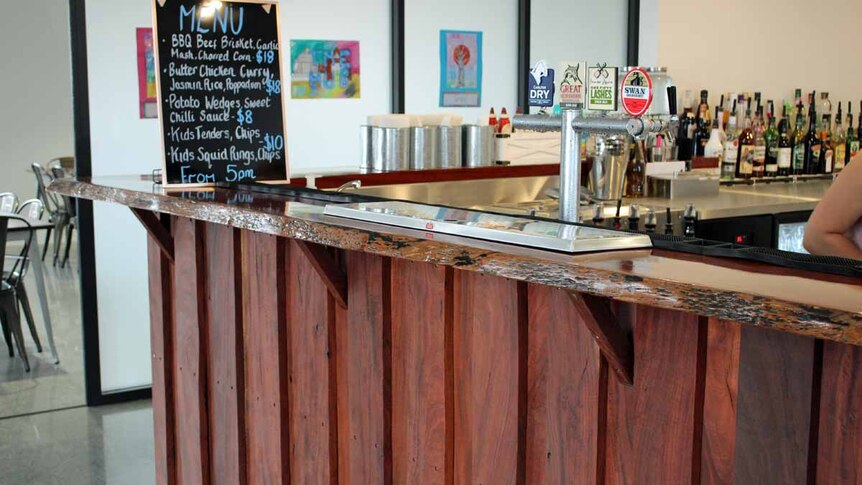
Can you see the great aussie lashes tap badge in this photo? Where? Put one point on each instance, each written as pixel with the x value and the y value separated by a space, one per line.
pixel 602 88
pixel 636 92
pixel 541 85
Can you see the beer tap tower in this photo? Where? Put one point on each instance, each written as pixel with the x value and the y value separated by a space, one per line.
pixel 571 123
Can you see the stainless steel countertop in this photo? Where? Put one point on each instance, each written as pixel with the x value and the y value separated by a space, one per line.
pixel 748 200
pixel 731 201
pixel 526 195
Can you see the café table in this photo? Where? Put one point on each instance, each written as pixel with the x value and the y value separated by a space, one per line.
pixel 18 232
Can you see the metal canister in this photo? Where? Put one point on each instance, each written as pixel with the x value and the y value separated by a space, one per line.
pixel 390 150
pixel 365 151
pixel 608 174
pixel 449 143
pixel 425 152
pixel 480 147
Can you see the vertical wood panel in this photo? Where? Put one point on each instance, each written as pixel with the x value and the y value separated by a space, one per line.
pixel 190 338
pixel 773 416
pixel 563 378
pixel 364 445
pixel 421 433
pixel 309 319
pixel 265 351
pixel 840 443
pixel 487 379
pixel 651 425
pixel 161 337
pixel 225 376
pixel 720 403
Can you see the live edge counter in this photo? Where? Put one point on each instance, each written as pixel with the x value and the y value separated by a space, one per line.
pixel 293 348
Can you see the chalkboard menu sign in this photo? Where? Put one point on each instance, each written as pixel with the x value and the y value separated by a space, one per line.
pixel 220 91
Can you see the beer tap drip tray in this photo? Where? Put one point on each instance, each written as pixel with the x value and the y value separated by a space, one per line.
pixel 534 233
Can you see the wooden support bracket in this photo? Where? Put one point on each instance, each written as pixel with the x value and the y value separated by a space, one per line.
pixel 326 267
pixel 613 341
pixel 160 234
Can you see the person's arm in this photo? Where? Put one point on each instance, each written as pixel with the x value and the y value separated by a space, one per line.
pixel 836 214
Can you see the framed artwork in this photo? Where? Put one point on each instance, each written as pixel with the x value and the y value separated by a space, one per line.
pixel 324 69
pixel 146 74
pixel 460 68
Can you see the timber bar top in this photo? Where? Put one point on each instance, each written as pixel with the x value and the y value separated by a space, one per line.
pixel 804 303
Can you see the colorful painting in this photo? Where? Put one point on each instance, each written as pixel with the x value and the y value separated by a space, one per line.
pixel 460 68
pixel 324 69
pixel 146 74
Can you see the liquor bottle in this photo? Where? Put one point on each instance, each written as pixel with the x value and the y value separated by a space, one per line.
pixel 770 137
pixel 827 154
pixel 636 175
pixel 684 149
pixel 812 143
pixel 683 140
pixel 745 156
pixel 731 147
pixel 797 164
pixel 839 143
pixel 824 109
pixel 714 147
pixel 852 138
pixel 859 123
pixel 797 103
pixel 701 135
pixel 785 146
pixel 759 168
pixel 703 107
pixel 729 99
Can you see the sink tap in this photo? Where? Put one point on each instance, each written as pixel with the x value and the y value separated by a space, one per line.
pixel 353 184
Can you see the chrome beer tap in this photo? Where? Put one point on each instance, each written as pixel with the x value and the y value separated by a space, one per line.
pixel 571 124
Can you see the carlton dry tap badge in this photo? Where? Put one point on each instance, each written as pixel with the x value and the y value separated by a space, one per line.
pixel 572 77
pixel 636 92
pixel 602 88
pixel 541 85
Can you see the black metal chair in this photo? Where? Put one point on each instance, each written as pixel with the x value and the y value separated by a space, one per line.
pixel 49 201
pixel 32 210
pixel 9 317
pixel 67 219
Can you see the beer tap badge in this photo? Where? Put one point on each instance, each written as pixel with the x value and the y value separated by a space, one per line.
pixel 636 92
pixel 602 88
pixel 572 84
pixel 541 85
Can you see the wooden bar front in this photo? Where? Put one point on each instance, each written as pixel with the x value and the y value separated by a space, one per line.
pixel 265 373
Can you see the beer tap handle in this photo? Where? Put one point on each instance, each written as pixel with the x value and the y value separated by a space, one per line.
pixel 671 100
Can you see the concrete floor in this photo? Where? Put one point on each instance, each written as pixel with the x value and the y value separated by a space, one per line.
pixel 109 445
pixel 48 386
pixel 47 436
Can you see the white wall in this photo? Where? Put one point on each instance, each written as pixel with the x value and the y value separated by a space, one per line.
pixel 773 46
pixel 122 144
pixel 498 22
pixel 578 30
pixel 35 91
pixel 323 134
